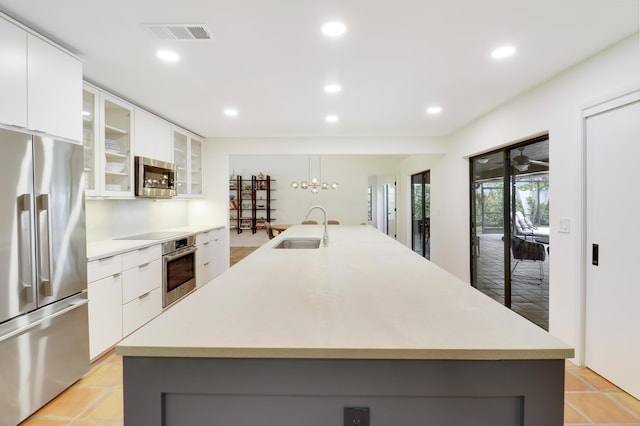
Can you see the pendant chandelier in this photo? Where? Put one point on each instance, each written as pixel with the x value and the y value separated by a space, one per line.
pixel 314 184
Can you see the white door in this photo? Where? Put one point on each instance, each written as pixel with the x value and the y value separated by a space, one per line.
pixel 612 344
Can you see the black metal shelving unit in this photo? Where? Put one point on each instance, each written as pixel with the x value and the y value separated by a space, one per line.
pixel 251 204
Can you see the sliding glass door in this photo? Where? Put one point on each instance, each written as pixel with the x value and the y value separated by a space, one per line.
pixel 510 227
pixel 421 213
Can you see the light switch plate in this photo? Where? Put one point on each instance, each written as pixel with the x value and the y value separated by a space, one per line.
pixel 564 225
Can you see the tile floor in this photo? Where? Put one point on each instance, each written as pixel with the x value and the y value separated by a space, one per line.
pixel 94 400
pixel 97 398
pixel 529 294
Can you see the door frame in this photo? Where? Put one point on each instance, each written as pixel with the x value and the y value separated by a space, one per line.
pixel 386 210
pixel 607 104
pixel 508 210
pixel 423 240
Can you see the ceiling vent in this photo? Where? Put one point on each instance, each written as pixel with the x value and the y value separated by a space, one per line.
pixel 184 32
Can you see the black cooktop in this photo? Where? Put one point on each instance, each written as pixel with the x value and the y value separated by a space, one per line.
pixel 153 236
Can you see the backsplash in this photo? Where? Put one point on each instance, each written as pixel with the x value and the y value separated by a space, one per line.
pixel 108 219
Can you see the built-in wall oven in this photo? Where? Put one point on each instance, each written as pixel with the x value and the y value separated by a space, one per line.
pixel 179 268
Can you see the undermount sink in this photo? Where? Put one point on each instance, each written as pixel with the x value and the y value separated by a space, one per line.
pixel 298 243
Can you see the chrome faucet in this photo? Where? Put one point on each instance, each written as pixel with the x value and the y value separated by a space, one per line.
pixel 325 237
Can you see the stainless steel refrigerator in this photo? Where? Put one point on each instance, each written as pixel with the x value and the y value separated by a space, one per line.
pixel 44 336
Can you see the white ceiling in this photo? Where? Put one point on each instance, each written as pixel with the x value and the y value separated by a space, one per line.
pixel 270 61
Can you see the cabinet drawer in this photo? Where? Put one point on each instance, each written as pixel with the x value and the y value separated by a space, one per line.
pixel 141 256
pixel 101 268
pixel 140 280
pixel 211 235
pixel 141 310
pixel 204 273
pixel 206 252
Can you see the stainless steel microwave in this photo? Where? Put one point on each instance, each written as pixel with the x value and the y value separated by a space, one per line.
pixel 154 178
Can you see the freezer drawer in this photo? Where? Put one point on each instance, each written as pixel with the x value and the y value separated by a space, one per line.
pixel 42 358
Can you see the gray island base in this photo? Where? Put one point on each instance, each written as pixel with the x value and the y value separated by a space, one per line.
pixel 293 337
pixel 293 392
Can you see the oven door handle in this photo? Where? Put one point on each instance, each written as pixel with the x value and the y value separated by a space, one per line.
pixel 179 254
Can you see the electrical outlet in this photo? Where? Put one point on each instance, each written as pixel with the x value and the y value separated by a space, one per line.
pixel 356 416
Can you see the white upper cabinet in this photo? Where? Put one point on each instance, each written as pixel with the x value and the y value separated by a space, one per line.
pixel 196 167
pixel 54 95
pixel 187 156
pixel 13 74
pixel 41 84
pixel 114 131
pixel 116 146
pixel 152 136
pixel 180 159
pixel 91 140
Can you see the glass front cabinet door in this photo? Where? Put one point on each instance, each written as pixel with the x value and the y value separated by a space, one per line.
pixel 90 140
pixel 180 148
pixel 196 167
pixel 117 158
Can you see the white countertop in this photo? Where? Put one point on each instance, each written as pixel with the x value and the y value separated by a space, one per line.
pixel 364 296
pixel 106 248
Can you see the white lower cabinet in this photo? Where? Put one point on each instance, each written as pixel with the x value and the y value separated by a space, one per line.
pixel 105 304
pixel 209 256
pixel 141 282
pixel 141 310
pixel 124 294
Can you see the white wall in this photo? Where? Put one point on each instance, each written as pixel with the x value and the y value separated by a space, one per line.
pixel 554 107
pixel 107 219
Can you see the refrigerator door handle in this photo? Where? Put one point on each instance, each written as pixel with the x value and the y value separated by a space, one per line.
pixel 34 324
pixel 45 258
pixel 26 276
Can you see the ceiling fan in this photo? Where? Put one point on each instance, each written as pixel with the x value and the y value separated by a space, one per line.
pixel 521 162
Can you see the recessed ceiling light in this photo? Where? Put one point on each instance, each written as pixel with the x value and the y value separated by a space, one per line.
pixel 503 52
pixel 332 88
pixel 432 110
pixel 230 112
pixel 332 119
pixel 168 55
pixel 334 29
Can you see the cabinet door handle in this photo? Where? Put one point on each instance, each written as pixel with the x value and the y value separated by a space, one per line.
pixel 595 254
pixel 144 295
pixel 206 264
pixel 206 244
pixel 144 265
pixel 117 275
pixel 104 259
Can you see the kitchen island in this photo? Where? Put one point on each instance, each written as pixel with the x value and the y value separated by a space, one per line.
pixel 293 336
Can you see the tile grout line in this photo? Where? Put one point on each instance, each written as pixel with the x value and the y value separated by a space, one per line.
pixel 591 422
pixel 619 404
pixel 595 390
